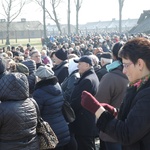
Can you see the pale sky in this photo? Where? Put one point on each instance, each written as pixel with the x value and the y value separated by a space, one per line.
pixel 91 11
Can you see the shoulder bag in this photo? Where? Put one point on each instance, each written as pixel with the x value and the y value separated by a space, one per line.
pixel 68 112
pixel 47 137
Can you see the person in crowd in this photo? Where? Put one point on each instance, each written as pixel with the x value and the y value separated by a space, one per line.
pixel 130 126
pixel 10 54
pixel 19 67
pixel 23 68
pixel 3 67
pixel 45 58
pixel 84 125
pixel 105 59
pixel 105 46
pixel 1 51
pixel 26 55
pixel 68 84
pixel 89 50
pixel 67 87
pixel 31 77
pixel 61 64
pixel 49 97
pixel 112 89
pixel 18 116
pixel 14 51
pixel 77 51
pixel 36 56
pixel 96 65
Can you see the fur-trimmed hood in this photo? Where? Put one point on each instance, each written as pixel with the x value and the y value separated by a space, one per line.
pixel 49 85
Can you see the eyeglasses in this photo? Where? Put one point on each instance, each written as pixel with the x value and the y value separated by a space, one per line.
pixel 126 65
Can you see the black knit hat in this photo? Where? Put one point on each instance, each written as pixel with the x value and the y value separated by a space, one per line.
pixel 2 65
pixel 61 54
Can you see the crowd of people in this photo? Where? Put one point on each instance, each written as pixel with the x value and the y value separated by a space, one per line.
pixel 104 78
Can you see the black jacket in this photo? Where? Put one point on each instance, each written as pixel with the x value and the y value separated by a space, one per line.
pixel 61 71
pixel 68 84
pixel 18 117
pixel 85 121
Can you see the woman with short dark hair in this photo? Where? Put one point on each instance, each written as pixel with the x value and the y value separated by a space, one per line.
pixel 131 127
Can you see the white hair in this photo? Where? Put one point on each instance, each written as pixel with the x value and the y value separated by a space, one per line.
pixel 106 60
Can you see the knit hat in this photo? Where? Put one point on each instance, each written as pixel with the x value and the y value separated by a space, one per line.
pixel 61 54
pixel 44 72
pixel 86 59
pixel 2 65
pixel 22 68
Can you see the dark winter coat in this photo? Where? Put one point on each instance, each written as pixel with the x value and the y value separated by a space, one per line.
pixel 48 96
pixel 85 121
pixel 18 117
pixel 68 84
pixel 61 71
pixel 101 72
pixel 132 128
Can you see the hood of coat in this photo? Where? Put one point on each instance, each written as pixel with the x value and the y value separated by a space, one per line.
pixel 72 66
pixel 50 86
pixel 13 87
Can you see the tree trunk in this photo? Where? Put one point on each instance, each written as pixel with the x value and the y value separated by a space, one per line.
pixel 44 21
pixel 120 16
pixel 77 17
pixel 7 34
pixel 69 17
pixel 121 2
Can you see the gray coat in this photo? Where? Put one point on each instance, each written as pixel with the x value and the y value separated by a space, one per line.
pixel 111 90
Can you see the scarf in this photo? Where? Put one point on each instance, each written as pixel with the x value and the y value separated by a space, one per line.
pixel 115 64
pixel 132 91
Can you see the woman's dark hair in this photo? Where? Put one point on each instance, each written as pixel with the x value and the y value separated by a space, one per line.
pixel 115 50
pixel 135 49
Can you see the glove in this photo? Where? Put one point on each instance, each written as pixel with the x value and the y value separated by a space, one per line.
pixel 89 102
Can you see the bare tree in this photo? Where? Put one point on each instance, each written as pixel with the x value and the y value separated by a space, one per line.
pixel 69 17
pixel 121 2
pixel 78 4
pixel 52 13
pixel 12 9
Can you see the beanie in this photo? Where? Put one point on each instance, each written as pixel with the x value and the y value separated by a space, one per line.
pixel 22 68
pixel 61 54
pixel 44 72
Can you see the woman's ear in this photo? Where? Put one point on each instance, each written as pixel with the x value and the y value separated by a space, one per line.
pixel 141 64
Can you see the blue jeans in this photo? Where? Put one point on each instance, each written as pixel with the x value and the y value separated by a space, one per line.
pixel 113 146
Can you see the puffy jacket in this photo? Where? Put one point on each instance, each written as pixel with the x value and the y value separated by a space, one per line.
pixel 18 117
pixel 49 97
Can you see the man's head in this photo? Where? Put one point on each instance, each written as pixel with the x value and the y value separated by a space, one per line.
pixel 105 58
pixel 60 56
pixel 36 56
pixel 84 63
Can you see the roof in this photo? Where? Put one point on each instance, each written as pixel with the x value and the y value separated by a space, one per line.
pixel 128 23
pixel 143 25
pixel 22 25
